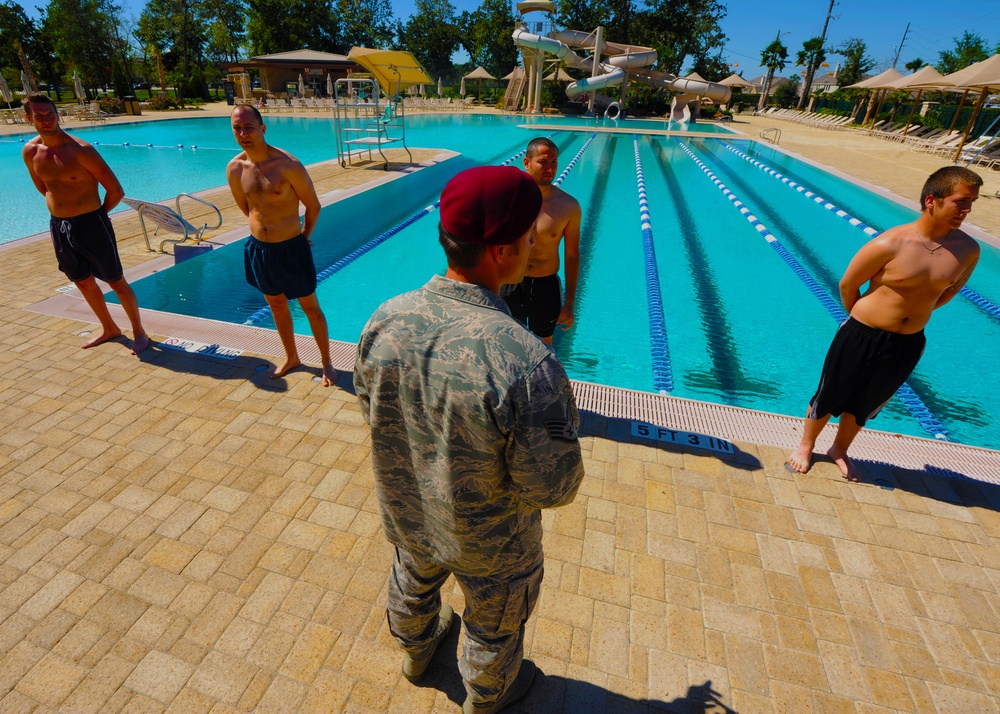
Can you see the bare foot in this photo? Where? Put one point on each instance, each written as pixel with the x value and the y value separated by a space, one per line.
pixel 329 375
pixel 844 463
pixel 284 368
pixel 800 460
pixel 103 337
pixel 140 343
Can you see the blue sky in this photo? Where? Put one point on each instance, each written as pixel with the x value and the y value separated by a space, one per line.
pixel 750 26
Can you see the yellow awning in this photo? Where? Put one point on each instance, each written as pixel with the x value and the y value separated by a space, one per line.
pixel 390 68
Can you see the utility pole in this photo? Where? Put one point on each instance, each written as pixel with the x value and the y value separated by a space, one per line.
pixel 900 48
pixel 811 69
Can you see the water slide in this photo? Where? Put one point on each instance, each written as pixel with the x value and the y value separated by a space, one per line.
pixel 620 58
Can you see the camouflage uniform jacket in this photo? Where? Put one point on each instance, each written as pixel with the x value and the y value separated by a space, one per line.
pixel 474 427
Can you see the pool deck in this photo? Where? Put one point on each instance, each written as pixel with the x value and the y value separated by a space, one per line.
pixel 179 533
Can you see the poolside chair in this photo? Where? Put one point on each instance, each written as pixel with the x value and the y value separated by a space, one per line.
pixel 171 221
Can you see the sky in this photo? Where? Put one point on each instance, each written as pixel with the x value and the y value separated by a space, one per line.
pixel 750 26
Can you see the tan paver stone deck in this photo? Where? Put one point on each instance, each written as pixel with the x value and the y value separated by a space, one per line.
pixel 180 534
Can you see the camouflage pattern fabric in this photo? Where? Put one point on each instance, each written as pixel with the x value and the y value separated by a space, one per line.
pixel 496 610
pixel 474 428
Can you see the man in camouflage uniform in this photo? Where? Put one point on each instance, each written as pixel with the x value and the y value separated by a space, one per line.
pixel 473 432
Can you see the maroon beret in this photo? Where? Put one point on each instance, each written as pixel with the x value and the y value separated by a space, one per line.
pixel 492 205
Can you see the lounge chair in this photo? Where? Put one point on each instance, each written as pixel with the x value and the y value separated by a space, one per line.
pixel 171 221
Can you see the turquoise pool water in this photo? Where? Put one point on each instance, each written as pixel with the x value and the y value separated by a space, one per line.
pixel 742 328
pixel 158 160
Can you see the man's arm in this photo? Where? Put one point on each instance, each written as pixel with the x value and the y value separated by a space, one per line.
pixel 234 172
pixel 28 154
pixel 89 159
pixel 957 286
pixel 865 265
pixel 571 252
pixel 306 192
pixel 543 455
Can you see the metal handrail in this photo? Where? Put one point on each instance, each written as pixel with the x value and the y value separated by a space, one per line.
pixel 772 135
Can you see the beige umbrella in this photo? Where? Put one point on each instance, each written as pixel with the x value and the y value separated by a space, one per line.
pixel 984 76
pixel 480 73
pixel 880 83
pixel 302 86
pixel 462 89
pixel 26 83
pixel 559 75
pixel 5 91
pixel 695 76
pixel 329 84
pixel 514 73
pixel 439 86
pixel 734 80
pixel 928 78
pixel 81 94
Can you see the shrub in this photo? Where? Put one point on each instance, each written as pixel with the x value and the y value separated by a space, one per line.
pixel 112 105
pixel 163 104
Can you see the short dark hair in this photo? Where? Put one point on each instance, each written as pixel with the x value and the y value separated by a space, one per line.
pixel 535 144
pixel 252 108
pixel 37 98
pixel 459 253
pixel 943 182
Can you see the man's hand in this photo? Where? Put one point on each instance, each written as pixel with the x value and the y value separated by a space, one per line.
pixel 566 316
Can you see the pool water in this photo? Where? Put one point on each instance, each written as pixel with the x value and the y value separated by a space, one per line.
pixel 159 160
pixel 742 328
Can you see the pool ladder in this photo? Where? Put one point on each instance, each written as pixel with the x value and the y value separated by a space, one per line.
pixel 772 135
pixel 172 221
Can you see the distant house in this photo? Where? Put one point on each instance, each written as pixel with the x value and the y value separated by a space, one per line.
pixel 825 83
pixel 758 84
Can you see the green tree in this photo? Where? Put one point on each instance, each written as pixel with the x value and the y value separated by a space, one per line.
pixel 366 23
pixel 774 57
pixel 226 29
pixel 810 56
pixel 15 25
pixel 80 33
pixel 914 64
pixel 432 36
pixel 786 93
pixel 856 61
pixel 283 25
pixel 678 30
pixel 486 36
pixel 177 29
pixel 969 49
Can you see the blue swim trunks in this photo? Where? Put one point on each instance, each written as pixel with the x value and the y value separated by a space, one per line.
pixel 284 268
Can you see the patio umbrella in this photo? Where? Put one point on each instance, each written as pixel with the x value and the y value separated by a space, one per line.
pixel 984 76
pixel 926 77
pixel 439 86
pixel 26 83
pixel 559 75
pixel 302 86
pixel 245 86
pixel 329 84
pixel 462 89
pixel 516 72
pixel 81 95
pixel 8 97
pixel 734 80
pixel 479 73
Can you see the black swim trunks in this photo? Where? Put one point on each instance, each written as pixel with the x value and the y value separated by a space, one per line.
pixel 535 303
pixel 863 369
pixel 284 268
pixel 85 245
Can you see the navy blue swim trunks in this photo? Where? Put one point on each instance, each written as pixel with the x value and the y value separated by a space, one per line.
pixel 85 246
pixel 284 268
pixel 863 369
pixel 535 303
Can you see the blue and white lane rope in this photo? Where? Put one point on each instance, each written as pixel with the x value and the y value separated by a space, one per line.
pixel 968 293
pixel 663 378
pixel 576 159
pixel 924 416
pixel 262 314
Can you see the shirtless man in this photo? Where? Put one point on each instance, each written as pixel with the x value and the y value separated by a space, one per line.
pixel 536 302
pixel 268 185
pixel 912 270
pixel 67 171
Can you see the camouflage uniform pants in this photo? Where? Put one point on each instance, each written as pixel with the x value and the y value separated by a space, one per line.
pixel 496 609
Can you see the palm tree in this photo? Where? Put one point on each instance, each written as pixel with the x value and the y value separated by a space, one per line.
pixel 774 57
pixel 811 56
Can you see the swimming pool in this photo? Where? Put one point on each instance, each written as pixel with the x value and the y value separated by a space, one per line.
pixel 741 325
pixel 742 304
pixel 158 160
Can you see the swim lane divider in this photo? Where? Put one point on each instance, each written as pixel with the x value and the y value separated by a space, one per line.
pixel 261 315
pixel 924 416
pixel 663 378
pixel 968 293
